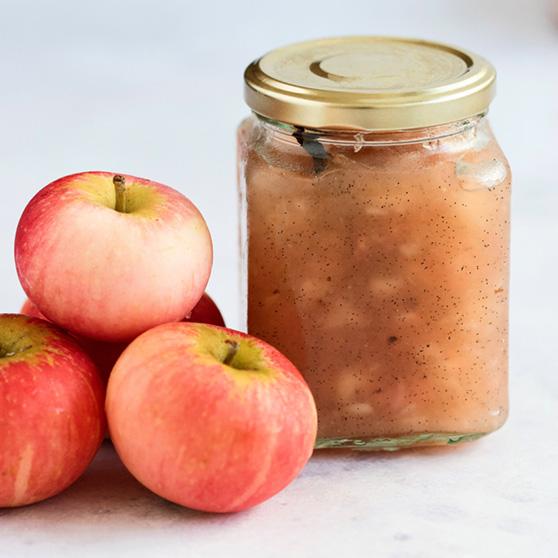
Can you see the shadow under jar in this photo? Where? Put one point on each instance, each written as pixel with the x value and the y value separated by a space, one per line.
pixel 375 236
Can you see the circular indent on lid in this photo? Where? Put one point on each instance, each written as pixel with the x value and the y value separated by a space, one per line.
pixel 370 83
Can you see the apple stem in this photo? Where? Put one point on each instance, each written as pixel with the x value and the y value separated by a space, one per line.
pixel 233 349
pixel 120 193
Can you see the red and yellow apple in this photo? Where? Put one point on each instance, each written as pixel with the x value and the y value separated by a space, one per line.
pixel 209 418
pixel 104 353
pixel 51 410
pixel 109 256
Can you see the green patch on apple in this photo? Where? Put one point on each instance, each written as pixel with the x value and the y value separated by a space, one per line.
pixel 237 352
pixel 23 338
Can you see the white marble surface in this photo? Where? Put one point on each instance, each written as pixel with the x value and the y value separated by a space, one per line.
pixel 153 88
pixel 496 497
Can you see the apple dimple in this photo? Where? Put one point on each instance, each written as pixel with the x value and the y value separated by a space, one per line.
pixel 123 194
pixel 236 352
pixel 20 338
pixel 133 197
pixel 233 349
pixel 7 351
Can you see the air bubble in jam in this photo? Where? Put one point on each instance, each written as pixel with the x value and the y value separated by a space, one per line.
pixel 480 175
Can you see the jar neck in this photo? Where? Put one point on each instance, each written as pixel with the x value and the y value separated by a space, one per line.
pixel 289 132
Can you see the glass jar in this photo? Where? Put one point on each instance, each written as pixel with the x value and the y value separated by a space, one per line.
pixel 375 235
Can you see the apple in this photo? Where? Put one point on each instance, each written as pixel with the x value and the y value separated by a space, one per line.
pixel 109 256
pixel 208 417
pixel 104 353
pixel 206 312
pixel 51 410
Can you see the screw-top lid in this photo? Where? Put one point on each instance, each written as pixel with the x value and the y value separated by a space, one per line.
pixel 371 83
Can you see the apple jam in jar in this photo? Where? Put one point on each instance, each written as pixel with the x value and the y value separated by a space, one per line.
pixel 375 236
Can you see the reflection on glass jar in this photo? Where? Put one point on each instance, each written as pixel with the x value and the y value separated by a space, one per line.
pixel 377 261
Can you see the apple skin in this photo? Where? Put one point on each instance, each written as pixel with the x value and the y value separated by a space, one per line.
pixel 51 410
pixel 31 310
pixel 105 354
pixel 105 274
pixel 204 434
pixel 206 312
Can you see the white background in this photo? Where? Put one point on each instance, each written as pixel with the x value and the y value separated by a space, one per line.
pixel 155 89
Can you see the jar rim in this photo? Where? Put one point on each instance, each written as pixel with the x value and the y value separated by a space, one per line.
pixel 350 137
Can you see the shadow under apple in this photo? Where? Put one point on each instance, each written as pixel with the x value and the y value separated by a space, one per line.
pixel 104 491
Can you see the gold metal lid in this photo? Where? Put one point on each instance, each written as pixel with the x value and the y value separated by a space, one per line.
pixel 370 83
